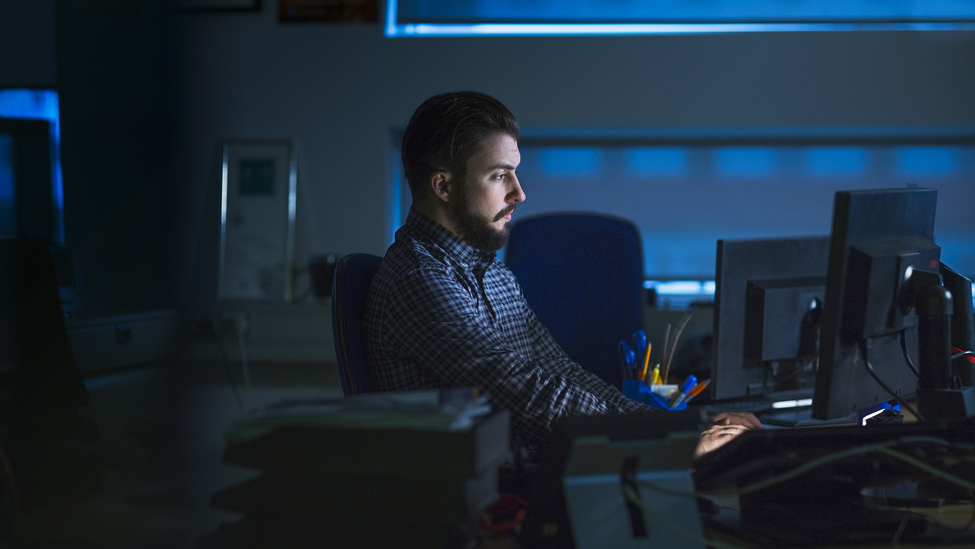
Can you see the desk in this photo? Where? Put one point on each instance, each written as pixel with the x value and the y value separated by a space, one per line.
pixel 769 451
pixel 801 484
pixel 954 516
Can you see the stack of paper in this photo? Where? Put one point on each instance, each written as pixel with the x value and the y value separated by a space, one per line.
pixel 390 469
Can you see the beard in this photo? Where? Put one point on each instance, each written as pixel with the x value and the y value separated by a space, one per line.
pixel 476 229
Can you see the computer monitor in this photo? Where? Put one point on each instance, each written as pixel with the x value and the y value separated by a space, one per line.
pixel 869 327
pixel 962 324
pixel 768 297
pixel 27 202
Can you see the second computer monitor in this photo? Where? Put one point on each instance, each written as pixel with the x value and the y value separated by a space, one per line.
pixel 869 347
pixel 768 297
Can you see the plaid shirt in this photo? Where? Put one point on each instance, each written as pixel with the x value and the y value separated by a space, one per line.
pixel 441 313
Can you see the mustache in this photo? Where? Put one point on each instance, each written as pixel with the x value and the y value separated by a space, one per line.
pixel 504 212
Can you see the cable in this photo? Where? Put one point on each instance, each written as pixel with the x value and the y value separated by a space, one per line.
pixel 634 498
pixel 670 345
pixel 907 354
pixel 836 456
pixel 963 353
pixel 864 351
pixel 900 530
pixel 928 468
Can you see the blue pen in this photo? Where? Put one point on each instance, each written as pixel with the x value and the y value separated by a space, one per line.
pixel 639 340
pixel 627 358
pixel 689 384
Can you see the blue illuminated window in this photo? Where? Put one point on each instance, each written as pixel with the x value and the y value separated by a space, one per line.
pixel 746 161
pixel 912 161
pixel 836 161
pixel 570 161
pixel 657 161
pixel 541 17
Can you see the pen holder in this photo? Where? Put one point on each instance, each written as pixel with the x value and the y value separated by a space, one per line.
pixel 657 396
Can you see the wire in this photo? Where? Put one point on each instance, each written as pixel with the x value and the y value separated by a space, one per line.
pixel 907 354
pixel 900 530
pixel 634 497
pixel 670 492
pixel 670 344
pixel 864 351
pixel 928 468
pixel 836 456
pixel 963 353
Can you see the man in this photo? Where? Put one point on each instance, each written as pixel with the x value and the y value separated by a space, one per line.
pixel 443 312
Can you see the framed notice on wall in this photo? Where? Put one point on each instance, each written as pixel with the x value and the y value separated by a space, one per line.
pixel 257 220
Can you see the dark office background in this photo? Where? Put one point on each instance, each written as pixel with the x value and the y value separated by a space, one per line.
pixel 148 94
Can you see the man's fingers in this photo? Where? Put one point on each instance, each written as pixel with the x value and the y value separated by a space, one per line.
pixel 737 418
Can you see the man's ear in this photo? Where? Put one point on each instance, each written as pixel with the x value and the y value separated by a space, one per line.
pixel 442 184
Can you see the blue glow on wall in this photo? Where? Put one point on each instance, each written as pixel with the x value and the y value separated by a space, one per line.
pixel 835 161
pixel 571 161
pixel 657 161
pixel 927 160
pixel 746 161
pixel 8 213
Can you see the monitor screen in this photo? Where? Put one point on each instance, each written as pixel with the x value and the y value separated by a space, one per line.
pixel 869 342
pixel 768 296
pixel 27 202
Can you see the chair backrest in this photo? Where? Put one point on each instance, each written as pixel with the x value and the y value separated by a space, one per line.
pixel 582 274
pixel 350 286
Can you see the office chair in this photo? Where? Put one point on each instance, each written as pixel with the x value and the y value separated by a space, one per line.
pixel 44 442
pixel 353 276
pixel 582 274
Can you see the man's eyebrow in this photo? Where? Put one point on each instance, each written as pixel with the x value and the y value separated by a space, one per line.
pixel 502 166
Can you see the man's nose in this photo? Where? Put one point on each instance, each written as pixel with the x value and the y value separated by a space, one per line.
pixel 516 194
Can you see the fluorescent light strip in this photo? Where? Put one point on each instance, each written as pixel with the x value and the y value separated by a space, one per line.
pixel 681 287
pixel 782 404
pixel 394 29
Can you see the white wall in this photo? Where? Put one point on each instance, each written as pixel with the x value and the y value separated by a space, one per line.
pixel 338 90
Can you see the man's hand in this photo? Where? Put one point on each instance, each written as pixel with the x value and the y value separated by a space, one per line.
pixel 724 427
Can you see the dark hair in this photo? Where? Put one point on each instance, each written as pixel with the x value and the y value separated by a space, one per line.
pixel 447 130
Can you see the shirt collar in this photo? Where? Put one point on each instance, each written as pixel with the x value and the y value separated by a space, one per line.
pixel 423 228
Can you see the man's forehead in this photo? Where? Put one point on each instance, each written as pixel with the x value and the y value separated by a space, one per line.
pixel 497 151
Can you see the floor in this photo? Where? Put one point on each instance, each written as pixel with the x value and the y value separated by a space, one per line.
pixel 161 430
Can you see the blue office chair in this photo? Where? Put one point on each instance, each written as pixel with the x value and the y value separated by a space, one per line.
pixel 582 274
pixel 353 276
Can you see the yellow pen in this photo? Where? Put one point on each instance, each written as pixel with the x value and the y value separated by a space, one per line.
pixel 656 375
pixel 646 364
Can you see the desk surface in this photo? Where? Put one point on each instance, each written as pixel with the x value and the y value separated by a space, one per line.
pixel 954 516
